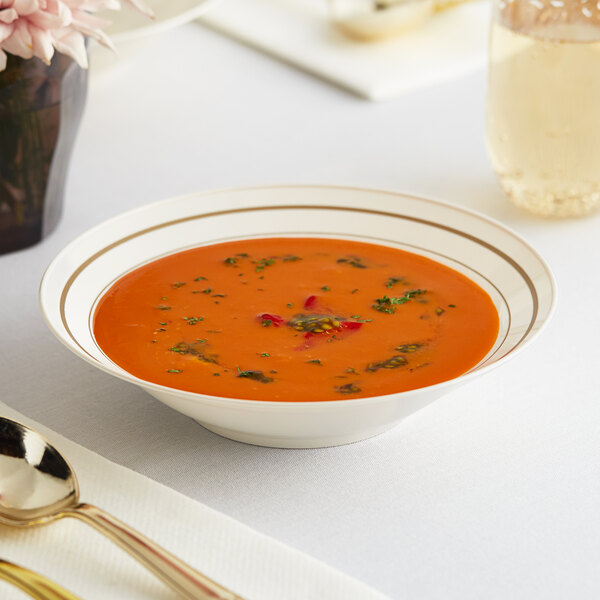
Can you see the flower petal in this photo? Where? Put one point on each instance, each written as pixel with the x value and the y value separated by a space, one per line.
pixel 19 42
pixel 42 44
pixel 47 19
pixel 25 7
pixel 5 31
pixel 93 6
pixel 91 31
pixel 8 15
pixel 140 7
pixel 71 43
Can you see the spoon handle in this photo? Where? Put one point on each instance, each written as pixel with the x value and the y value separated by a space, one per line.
pixel 37 586
pixel 179 576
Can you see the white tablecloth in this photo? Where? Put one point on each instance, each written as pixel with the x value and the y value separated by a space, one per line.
pixel 492 492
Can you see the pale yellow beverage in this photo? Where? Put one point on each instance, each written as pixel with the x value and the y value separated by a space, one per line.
pixel 543 116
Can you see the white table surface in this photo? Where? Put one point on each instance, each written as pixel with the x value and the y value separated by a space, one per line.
pixel 492 492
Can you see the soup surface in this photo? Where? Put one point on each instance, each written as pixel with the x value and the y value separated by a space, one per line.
pixel 295 319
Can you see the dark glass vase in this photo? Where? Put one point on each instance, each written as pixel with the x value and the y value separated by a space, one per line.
pixel 40 110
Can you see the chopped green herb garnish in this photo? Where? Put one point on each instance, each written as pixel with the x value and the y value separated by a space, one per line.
pixel 289 305
pixel 178 284
pixel 388 304
pixel 242 254
pixel 230 260
pixel 255 375
pixel 408 348
pixel 262 263
pixel 354 291
pixel 452 305
pixel 207 291
pixel 164 298
pixel 163 307
pixel 174 371
pixel 195 349
pixel 219 295
pixel 392 281
pixel 315 361
pixel 439 311
pixel 193 320
pixel 200 278
pixel 352 370
pixel 390 363
pixel 265 354
pixel 266 322
pixel 353 261
pixel 290 258
pixel 314 323
pixel 216 374
pixel 326 288
pixel 162 323
pixel 347 388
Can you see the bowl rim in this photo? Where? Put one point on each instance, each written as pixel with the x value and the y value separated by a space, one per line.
pixel 300 404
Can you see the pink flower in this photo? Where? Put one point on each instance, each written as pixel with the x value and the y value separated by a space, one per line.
pixel 39 27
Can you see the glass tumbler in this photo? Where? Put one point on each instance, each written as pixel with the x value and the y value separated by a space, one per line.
pixel 543 105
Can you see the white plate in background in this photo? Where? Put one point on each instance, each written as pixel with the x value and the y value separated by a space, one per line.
pixel 449 44
pixel 130 31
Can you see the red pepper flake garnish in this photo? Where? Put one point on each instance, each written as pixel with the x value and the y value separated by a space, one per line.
pixel 310 302
pixel 275 320
pixel 350 325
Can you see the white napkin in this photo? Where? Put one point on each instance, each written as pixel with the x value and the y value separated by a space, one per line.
pixel 81 560
pixel 448 45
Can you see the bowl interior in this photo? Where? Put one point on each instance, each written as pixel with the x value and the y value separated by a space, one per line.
pixel 516 278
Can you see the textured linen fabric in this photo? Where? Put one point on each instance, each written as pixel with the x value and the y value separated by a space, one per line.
pixel 251 564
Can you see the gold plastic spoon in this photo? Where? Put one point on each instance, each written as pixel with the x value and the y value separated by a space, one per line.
pixel 38 485
pixel 34 584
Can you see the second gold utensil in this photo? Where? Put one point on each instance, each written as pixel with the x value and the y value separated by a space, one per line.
pixel 34 584
pixel 38 485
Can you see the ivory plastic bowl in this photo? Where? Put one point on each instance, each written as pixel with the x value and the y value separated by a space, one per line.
pixel 516 277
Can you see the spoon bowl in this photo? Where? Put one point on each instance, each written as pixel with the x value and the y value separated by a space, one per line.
pixel 36 481
pixel 38 485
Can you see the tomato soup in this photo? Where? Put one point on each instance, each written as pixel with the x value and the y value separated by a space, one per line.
pixel 295 319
